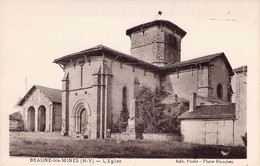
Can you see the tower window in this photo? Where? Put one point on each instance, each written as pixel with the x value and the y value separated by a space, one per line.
pixel 220 91
pixel 173 42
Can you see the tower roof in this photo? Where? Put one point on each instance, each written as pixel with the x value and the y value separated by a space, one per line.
pixel 165 23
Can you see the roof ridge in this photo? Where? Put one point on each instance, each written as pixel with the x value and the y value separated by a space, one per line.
pixel 43 89
pixel 46 87
pixel 209 55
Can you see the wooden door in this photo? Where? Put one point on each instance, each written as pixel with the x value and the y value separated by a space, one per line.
pixel 211 133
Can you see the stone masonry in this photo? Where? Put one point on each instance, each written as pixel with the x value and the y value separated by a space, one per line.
pixel 95 80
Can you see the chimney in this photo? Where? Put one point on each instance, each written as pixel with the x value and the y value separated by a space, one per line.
pixel 193 102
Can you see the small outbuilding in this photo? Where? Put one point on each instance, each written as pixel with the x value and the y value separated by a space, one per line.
pixel 15 121
pixel 208 124
pixel 218 122
pixel 41 109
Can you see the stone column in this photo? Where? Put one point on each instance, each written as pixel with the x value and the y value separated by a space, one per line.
pixel 36 118
pixel 47 118
pixel 26 119
pixel 51 118
pixel 77 124
pixel 65 106
pixel 131 121
pixel 203 81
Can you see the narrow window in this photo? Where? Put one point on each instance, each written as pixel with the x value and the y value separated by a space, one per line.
pixel 81 63
pixel 173 42
pixel 220 91
pixel 81 76
pixel 124 96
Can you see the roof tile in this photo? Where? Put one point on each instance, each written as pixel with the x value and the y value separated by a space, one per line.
pixel 53 95
pixel 211 112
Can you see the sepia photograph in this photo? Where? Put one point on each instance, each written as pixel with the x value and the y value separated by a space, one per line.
pixel 129 83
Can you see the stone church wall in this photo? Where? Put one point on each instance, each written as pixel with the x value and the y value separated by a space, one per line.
pixel 155 44
pixel 182 83
pixel 86 91
pixel 241 107
pixel 143 46
pixel 219 74
pixel 202 80
pixel 124 76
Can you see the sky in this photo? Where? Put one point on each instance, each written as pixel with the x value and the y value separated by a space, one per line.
pixel 34 33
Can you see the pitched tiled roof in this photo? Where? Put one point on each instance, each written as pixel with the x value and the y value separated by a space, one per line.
pixel 111 52
pixel 127 59
pixel 206 58
pixel 202 59
pixel 170 98
pixel 213 100
pixel 211 112
pixel 53 95
pixel 15 116
pixel 166 23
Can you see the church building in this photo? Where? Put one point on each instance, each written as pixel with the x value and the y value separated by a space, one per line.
pixel 98 81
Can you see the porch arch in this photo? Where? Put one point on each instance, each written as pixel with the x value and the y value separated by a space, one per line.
pixel 81 113
pixel 31 119
pixel 42 118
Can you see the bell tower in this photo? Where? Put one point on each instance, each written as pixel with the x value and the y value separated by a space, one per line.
pixel 157 42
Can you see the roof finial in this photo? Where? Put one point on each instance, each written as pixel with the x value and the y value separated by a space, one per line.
pixel 158 14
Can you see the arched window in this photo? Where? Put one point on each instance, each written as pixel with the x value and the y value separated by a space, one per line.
pixel 220 91
pixel 124 97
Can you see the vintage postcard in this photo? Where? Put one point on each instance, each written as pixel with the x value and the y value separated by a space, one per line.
pixel 129 82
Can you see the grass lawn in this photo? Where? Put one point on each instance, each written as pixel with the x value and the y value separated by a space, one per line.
pixel 54 145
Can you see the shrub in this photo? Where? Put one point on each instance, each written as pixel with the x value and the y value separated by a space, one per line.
pixel 155 117
pixel 124 115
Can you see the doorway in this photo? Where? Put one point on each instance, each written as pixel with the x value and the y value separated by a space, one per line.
pixel 83 122
pixel 211 133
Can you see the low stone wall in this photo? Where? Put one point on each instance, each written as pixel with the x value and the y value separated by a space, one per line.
pixel 147 136
pixel 126 136
pixel 162 137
